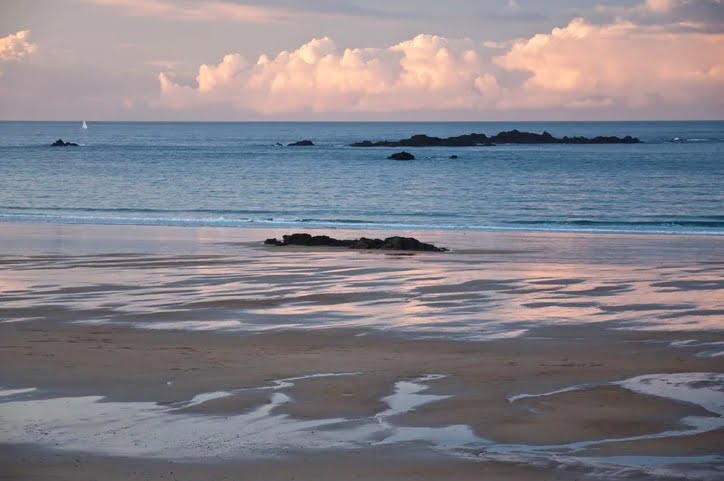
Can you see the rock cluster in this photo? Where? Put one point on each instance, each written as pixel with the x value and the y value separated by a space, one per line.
pixel 301 143
pixel 60 143
pixel 509 137
pixel 390 243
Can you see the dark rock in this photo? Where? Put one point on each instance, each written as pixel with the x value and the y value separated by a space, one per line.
pixel 279 144
pixel 323 240
pixel 391 243
pixel 509 137
pixel 453 156
pixel 365 243
pixel 297 239
pixel 402 156
pixel 407 244
pixel 301 143
pixel 60 143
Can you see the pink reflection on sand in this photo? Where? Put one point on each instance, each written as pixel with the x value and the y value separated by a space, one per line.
pixel 472 294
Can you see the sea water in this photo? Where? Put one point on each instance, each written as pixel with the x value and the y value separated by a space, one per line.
pixel 236 174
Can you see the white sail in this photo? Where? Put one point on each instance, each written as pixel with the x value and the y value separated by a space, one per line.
pixel 85 126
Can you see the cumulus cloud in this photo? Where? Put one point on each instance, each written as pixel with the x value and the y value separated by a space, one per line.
pixel 587 64
pixel 16 46
pixel 426 72
pixel 622 61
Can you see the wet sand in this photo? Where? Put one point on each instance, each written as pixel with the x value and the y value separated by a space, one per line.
pixel 536 393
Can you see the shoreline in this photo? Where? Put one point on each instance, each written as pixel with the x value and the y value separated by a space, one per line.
pixel 575 227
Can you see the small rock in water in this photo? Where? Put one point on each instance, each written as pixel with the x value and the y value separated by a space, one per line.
pixel 60 143
pixel 402 156
pixel 453 156
pixel 301 143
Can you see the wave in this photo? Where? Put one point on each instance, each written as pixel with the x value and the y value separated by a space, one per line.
pixel 695 227
pixel 717 222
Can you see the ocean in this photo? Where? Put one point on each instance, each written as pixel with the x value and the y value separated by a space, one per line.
pixel 235 174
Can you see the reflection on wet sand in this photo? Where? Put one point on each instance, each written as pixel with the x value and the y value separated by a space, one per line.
pixel 581 356
pixel 255 289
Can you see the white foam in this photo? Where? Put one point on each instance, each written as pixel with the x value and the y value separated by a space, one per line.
pixel 709 349
pixel 13 392
pixel 518 397
pixel 705 389
pixel 205 397
pixel 19 319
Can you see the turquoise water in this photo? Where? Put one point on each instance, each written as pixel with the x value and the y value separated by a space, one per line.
pixel 233 174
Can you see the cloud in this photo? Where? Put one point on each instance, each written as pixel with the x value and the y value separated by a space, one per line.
pixel 205 10
pixel 16 46
pixel 513 12
pixel 671 15
pixel 168 65
pixel 277 11
pixel 624 63
pixel 635 64
pixel 426 72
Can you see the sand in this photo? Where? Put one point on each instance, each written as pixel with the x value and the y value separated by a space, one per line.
pixel 168 315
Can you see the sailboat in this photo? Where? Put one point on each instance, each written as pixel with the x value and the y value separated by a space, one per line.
pixel 85 126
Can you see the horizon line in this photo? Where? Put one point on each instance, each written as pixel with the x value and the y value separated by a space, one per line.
pixel 81 120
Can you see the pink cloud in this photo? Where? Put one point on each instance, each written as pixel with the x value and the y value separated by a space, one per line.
pixel 426 72
pixel 660 52
pixel 638 64
pixel 16 46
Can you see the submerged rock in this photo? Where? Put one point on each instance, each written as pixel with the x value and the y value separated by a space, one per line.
pixel 60 143
pixel 401 156
pixel 453 156
pixel 508 137
pixel 301 143
pixel 390 243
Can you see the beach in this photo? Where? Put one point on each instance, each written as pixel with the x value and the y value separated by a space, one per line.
pixel 156 352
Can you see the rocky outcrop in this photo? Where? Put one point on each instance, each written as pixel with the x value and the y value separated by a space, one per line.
pixel 402 156
pixel 60 143
pixel 508 137
pixel 453 157
pixel 301 143
pixel 390 243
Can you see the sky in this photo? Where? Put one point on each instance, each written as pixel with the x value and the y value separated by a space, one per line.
pixel 361 60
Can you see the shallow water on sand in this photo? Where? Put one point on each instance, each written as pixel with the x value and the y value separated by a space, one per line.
pixel 161 278
pixel 149 430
